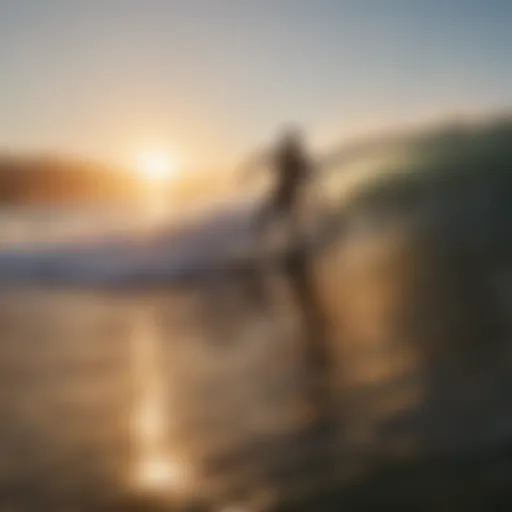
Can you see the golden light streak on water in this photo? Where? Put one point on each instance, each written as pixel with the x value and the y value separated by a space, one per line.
pixel 154 469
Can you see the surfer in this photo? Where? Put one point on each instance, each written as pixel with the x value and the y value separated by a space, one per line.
pixel 291 165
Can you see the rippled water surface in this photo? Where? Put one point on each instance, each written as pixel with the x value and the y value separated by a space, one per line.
pixel 214 394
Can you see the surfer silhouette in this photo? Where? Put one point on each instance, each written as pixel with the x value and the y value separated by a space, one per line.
pixel 290 163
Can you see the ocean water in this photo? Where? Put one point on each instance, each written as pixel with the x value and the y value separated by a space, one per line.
pixel 85 411
pixel 162 397
pixel 238 391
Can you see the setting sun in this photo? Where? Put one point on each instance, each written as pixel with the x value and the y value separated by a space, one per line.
pixel 157 165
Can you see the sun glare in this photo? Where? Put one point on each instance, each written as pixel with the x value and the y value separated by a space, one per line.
pixel 157 165
pixel 156 468
pixel 159 473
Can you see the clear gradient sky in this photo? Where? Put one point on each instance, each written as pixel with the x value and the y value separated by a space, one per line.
pixel 212 78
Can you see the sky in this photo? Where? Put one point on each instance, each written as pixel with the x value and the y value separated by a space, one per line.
pixel 211 79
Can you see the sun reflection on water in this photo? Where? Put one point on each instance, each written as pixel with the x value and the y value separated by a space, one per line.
pixel 154 468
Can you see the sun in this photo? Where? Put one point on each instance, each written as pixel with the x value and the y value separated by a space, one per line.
pixel 157 165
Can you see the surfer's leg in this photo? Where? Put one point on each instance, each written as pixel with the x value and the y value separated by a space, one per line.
pixel 298 268
pixel 314 340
